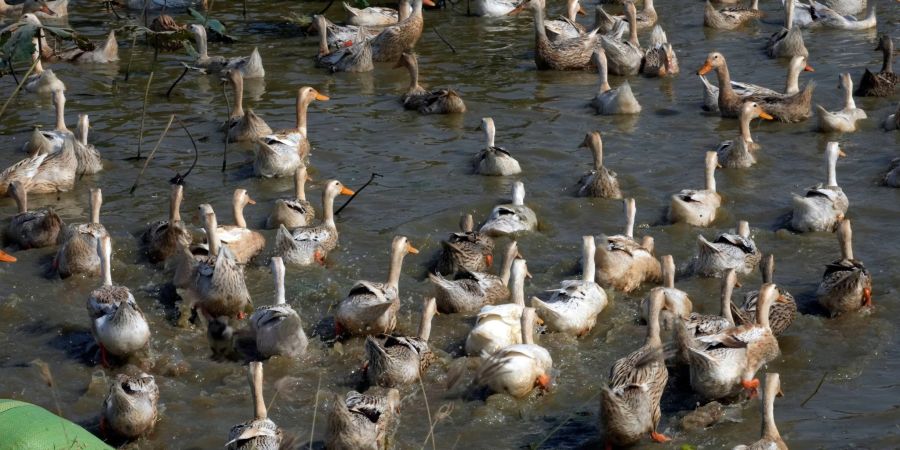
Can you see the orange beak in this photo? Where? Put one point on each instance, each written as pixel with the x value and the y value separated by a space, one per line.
pixel 346 191
pixel 428 3
pixel 765 115
pixel 581 11
pixel 489 260
pixel 808 68
pixel 348 43
pixel 46 10
pixel 867 297
pixel 250 200
pixel 321 98
pixel 842 154
pixel 707 66
pixel 544 381
pixel 6 257
pixel 517 9
pixel 411 249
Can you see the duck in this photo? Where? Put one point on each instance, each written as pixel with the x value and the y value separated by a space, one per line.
pixel 101 54
pixel 277 328
pixel 250 66
pixel 846 6
pixel 77 253
pixel 493 8
pixel 844 120
pixel 470 290
pixel 401 37
pixel 499 326
pixel 243 126
pixel 739 153
pixel 117 322
pixel 885 82
pixel 707 324
pixel 417 98
pixel 89 159
pixel 629 402
pixel 34 7
pixel 815 14
pixel 31 229
pixel 493 160
pixel 783 310
pixel 354 56
pixel 516 369
pixel 363 421
pixel 600 181
pixel 296 211
pixel 770 439
pixel 606 23
pixel 157 5
pixel 467 250
pixel 163 238
pixel 46 173
pixel 846 284
pixel 791 106
pixel 376 16
pixel 52 141
pixel 394 361
pixel 624 56
pixel 609 101
pixel 623 263
pixel 371 307
pixel 218 287
pixel 727 251
pixel 243 242
pixel 342 36
pixel 644 19
pixel 260 432
pixel 130 407
pixel 42 81
pixel 660 59
pixel 892 177
pixel 574 307
pixel 565 54
pixel 512 218
pixel 823 206
pixel 311 243
pixel 698 207
pixel 730 18
pixel 677 303
pixel 892 121
pixel 280 153
pixel 567 26
pixel 787 42
pixel 723 363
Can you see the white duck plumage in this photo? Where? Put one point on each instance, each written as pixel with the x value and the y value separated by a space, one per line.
pixel 499 326
pixel 250 66
pixel 493 160
pixel 815 14
pixel 843 120
pixel 698 206
pixel 277 328
pixel 518 368
pixel 823 206
pixel 511 218
pixel 609 101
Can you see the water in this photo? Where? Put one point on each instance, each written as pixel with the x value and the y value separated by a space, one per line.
pixel 541 118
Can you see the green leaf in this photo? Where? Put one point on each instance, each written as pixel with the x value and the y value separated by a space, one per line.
pixel 19 44
pixel 216 29
pixel 362 3
pixel 190 49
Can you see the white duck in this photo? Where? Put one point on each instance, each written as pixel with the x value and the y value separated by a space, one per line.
pixel 824 205
pixel 281 153
pixel 739 153
pixel 517 369
pixel 493 8
pixel 610 101
pixel 892 121
pixel 277 328
pixel 698 206
pixel 624 263
pixel 499 326
pixel 511 218
pixel 493 160
pixel 844 120
pixel 250 66
pixel 376 16
pixel 815 14
pixel 574 307
pixel 677 303
pixel 624 55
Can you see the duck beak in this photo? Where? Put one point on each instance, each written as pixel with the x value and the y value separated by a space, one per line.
pixel 581 11
pixel 321 97
pixel 346 191
pixel 46 10
pixel 543 381
pixel 528 275
pixel 6 257
pixel 707 67
pixel 867 297
pixel 842 154
pixel 250 200
pixel 517 9
pixel 765 115
pixel 411 249
pixel 780 393
pixel 489 260
pixel 808 68
pixel 428 3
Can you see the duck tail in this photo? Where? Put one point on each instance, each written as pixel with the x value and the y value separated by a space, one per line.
pixel 111 47
pixel 255 64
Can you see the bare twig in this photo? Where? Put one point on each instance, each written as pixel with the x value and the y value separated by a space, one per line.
pixel 208 12
pixel 312 429
pixel 143 116
pixel 371 179
pixel 227 114
pixel 452 49
pixel 21 83
pixel 179 178
pixel 150 156
pixel 177 80
pixel 816 391
pixel 12 71
pixel 430 422
pixel 331 2
pixel 130 57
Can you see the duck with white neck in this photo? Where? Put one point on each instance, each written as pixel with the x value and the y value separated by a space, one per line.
pixel 698 207
pixel 249 66
pixel 311 244
pixel 771 438
pixel 277 328
pixel 739 153
pixel 823 206
pixel 511 218
pixel 493 160
pixel 567 26
pixel 623 263
pixel 243 242
pixel 218 287
pixel 77 253
pixel 843 120
pixel 599 182
pixel 296 211
pixel 498 326
pixel 280 154
pixel 610 101
pixel 517 369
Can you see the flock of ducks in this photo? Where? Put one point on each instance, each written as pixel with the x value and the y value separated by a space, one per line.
pixel 723 352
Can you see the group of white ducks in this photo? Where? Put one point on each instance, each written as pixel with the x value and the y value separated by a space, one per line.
pixel 723 351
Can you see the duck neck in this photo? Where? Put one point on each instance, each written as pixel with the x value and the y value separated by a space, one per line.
pixel 36 56
pixel 792 85
pixel 540 32
pixel 302 107
pixel 81 131
pixel 517 289
pixel 668 268
pixel 105 263
pixel 508 259
pixel 300 184
pixel 653 337
pixel 597 150
pixel 602 70
pixel 238 108
pixel 237 208
pixel 832 168
pixel 725 89
pixel 888 50
pixel 175 204
pixel 764 305
pixel 528 326
pixel 489 133
pixel 629 217
pixel 632 34
pixel 769 429
pixel 212 234
pixel 754 5
pixel 588 269
pixel 95 207
pixel 427 315
pixel 572 7
pixel 323 37
pixel 768 269
pixel 278 275
pixel 20 195
pixel 711 177
pixel 648 6
pixel 256 382
pixel 745 127
pixel 788 14
pixel 847 84
pixel 845 235
pixel 60 100
pixel 725 306
pixel 413 68
pixel 396 266
pixel 328 209
pixel 201 43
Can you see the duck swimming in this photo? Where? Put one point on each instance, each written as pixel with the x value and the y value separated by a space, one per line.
pixel 727 251
pixel 623 263
pixel 31 229
pixel 788 42
pixel 218 287
pixel 730 18
pixel 164 238
pixel 599 182
pixel 493 160
pixel 467 250
pixel 354 56
pixel 885 82
pixel 416 98
pixel 395 361
pixel 609 101
pixel 296 211
pixel 499 326
pixel 698 207
pixel 259 433
pixel 739 153
pixel 311 244
pixel 516 369
pixel 783 311
pixel 249 66
pixel 376 16
pixel 511 218
pixel 624 56
pixel 277 329
pixel 771 439
pixel 847 284
pixel 470 290
pixel 243 242
pixel 281 153
pixel 130 407
pixel 844 120
pixel 363 421
pixel 77 253
pixel 565 54
pixel 824 205
pixel 243 126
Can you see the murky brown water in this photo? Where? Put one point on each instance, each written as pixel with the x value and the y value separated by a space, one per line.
pixel 541 117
